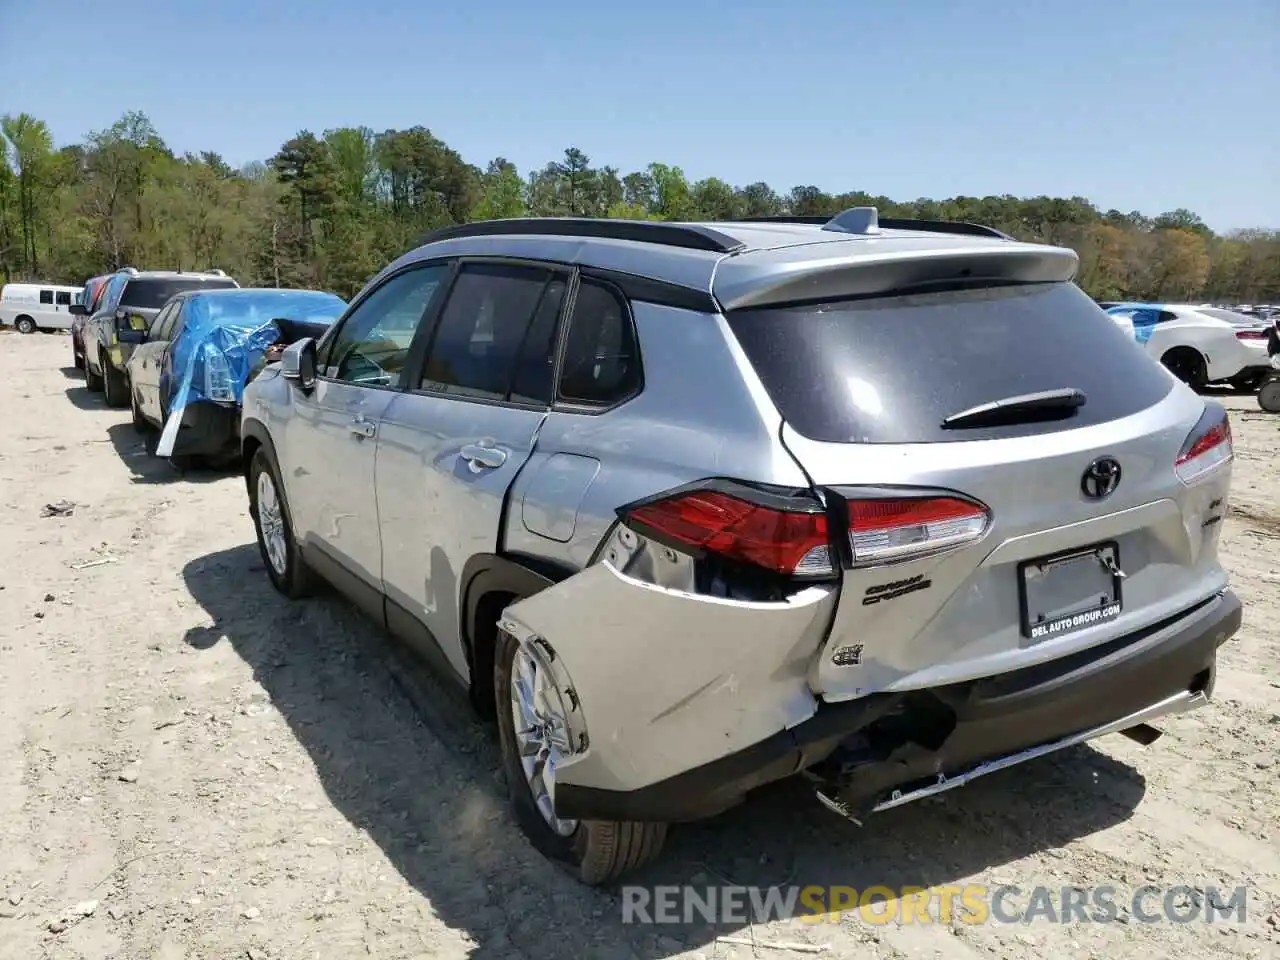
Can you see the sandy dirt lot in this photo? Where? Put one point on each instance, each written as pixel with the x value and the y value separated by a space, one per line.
pixel 192 767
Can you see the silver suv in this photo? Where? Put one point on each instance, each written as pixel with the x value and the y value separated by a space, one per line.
pixel 694 507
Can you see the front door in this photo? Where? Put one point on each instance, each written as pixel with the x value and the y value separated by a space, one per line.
pixel 451 446
pixel 327 464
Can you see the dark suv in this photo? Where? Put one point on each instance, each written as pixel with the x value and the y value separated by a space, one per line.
pixel 124 313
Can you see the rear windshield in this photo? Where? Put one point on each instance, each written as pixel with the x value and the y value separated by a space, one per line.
pixel 149 294
pixel 1233 318
pixel 889 370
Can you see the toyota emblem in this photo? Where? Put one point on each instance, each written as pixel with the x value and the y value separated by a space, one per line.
pixel 1101 478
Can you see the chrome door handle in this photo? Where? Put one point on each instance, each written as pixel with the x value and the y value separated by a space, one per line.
pixel 479 455
pixel 362 427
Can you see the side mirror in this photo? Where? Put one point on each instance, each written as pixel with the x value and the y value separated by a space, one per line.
pixel 298 363
pixel 78 310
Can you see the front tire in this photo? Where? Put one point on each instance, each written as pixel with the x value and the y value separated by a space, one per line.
pixel 1187 365
pixel 77 359
pixel 289 573
pixel 25 325
pixel 597 851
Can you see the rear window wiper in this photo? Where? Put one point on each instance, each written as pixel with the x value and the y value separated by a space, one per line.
pixel 1024 408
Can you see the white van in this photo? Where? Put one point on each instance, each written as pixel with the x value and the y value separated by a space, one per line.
pixel 37 306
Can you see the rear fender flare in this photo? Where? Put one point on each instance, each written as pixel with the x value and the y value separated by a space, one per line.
pixel 490 574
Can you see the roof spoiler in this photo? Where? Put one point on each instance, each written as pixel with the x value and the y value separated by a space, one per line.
pixel 799 274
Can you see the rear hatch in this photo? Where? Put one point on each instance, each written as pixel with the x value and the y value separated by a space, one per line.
pixel 1020 481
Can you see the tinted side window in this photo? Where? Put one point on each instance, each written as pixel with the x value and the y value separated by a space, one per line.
pixel 601 359
pixel 62 298
pixel 533 379
pixel 891 369
pixel 372 344
pixel 46 296
pixel 111 299
pixel 484 324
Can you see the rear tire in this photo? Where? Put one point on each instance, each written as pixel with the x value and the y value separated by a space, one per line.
pixel 182 462
pixel 140 423
pixel 115 384
pixel 288 571
pixel 25 325
pixel 92 381
pixel 597 851
pixel 1269 395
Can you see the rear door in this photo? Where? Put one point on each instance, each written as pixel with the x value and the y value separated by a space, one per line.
pixel 449 448
pixel 957 524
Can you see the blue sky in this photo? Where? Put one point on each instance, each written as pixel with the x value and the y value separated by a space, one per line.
pixel 1141 104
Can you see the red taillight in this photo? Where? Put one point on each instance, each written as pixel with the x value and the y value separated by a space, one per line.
pixel 1251 334
pixel 887 530
pixel 790 542
pixel 789 535
pixel 1207 446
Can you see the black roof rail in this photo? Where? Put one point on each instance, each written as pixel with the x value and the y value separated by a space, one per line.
pixel 686 235
pixel 958 227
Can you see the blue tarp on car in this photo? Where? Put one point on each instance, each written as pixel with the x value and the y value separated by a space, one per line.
pixel 224 335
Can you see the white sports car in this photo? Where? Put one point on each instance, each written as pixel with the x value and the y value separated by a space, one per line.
pixel 1201 345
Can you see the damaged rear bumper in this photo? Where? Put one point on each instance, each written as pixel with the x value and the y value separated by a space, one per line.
pixel 886 749
pixel 208 429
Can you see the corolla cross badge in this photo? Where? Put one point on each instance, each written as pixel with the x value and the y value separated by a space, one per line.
pixel 1101 478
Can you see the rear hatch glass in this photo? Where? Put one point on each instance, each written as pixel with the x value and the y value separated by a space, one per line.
pixel 892 369
pixel 152 294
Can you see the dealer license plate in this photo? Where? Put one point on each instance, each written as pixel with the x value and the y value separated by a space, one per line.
pixel 1066 592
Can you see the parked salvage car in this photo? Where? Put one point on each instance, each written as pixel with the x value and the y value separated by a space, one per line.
pixel 1201 345
pixel 81 310
pixel 674 503
pixel 200 351
pixel 131 301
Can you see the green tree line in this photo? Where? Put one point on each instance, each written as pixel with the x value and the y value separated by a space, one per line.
pixel 329 210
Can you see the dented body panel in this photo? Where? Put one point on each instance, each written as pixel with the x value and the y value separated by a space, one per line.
pixel 686 680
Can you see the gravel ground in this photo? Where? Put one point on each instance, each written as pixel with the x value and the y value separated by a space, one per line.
pixel 192 767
